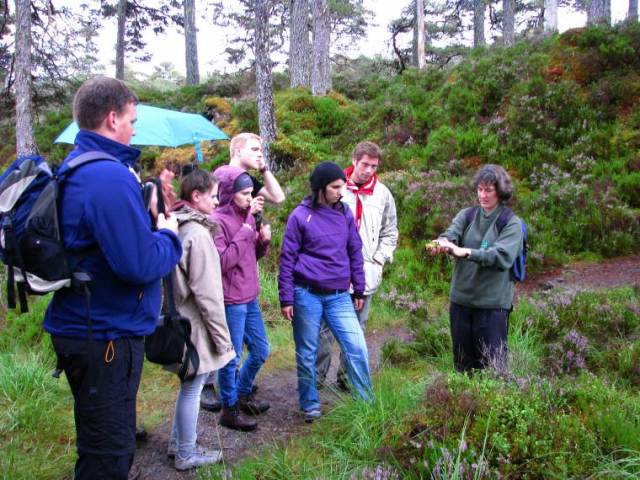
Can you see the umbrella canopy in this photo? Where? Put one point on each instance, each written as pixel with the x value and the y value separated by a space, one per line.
pixel 163 128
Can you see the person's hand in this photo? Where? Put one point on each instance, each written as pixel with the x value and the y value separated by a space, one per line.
pixel 265 232
pixel 438 245
pixel 358 303
pixel 262 165
pixel 460 252
pixel 168 222
pixel 287 312
pixel 257 205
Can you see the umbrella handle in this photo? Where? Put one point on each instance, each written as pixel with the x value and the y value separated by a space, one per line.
pixel 198 152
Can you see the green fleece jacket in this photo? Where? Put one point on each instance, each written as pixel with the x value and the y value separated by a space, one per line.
pixel 482 280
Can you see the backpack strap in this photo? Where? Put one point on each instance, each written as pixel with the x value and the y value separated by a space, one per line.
pixel 505 216
pixel 88 157
pixel 470 214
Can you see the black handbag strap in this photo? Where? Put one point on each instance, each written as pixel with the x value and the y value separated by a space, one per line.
pixel 191 355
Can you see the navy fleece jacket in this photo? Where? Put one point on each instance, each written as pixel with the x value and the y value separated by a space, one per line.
pixel 101 209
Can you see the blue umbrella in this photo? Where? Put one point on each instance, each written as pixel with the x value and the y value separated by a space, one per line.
pixel 164 128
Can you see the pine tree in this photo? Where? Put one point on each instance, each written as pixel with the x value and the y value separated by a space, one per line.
pixel 264 87
pixel 25 142
pixel 299 46
pixel 191 43
pixel 321 70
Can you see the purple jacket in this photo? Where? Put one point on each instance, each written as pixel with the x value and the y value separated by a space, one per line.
pixel 321 248
pixel 239 247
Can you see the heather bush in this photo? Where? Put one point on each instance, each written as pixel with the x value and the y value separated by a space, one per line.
pixel 590 331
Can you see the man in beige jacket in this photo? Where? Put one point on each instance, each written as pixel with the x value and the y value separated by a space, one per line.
pixel 374 209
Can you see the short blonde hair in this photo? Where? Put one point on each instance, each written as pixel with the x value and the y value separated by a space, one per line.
pixel 239 141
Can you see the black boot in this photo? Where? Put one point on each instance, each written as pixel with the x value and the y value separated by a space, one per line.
pixel 251 405
pixel 208 399
pixel 231 417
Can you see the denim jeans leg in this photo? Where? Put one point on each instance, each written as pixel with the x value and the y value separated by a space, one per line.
pixel 236 316
pixel 325 351
pixel 363 315
pixel 186 414
pixel 341 318
pixel 255 337
pixel 307 314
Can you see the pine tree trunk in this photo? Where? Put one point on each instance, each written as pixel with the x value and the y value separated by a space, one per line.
pixel 299 45
pixel 478 23
pixel 122 18
pixel 25 142
pixel 508 25
pixel 264 87
pixel 599 12
pixel 632 15
pixel 321 72
pixel 550 16
pixel 191 43
pixel 420 30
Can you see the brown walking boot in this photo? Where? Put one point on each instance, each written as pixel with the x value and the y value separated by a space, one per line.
pixel 251 405
pixel 231 417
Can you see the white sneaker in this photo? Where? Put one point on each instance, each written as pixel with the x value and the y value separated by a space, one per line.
pixel 172 449
pixel 197 459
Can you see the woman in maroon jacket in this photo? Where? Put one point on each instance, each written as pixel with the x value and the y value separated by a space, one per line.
pixel 240 246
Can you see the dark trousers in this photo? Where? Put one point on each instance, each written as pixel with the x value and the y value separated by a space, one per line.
pixel 479 337
pixel 104 403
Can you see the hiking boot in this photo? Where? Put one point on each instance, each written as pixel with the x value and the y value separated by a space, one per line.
pixel 208 399
pixel 141 434
pixel 342 384
pixel 252 406
pixel 197 459
pixel 311 415
pixel 232 418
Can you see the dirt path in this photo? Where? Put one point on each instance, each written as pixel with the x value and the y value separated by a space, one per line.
pixel 610 273
pixel 281 422
pixel 279 387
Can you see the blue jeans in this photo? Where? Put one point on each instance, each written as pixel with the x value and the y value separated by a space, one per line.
pixel 337 310
pixel 245 324
pixel 185 419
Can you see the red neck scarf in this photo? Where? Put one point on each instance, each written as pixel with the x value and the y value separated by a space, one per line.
pixel 364 189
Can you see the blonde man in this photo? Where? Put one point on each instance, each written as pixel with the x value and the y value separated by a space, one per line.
pixel 246 152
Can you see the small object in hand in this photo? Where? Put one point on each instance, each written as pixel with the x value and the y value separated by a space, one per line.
pixel 432 245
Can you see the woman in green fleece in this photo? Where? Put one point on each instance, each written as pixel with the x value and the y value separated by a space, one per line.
pixel 485 241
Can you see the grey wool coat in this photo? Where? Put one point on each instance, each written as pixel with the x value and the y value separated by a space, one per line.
pixel 197 290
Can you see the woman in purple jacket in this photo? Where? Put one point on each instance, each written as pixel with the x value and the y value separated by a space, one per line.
pixel 321 257
pixel 240 246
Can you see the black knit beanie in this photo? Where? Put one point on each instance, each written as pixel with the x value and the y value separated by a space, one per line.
pixel 324 174
pixel 241 182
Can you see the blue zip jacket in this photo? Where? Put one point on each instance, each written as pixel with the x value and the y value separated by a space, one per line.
pixel 101 209
pixel 321 248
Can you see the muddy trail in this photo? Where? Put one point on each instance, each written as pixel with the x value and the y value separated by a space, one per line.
pixel 282 421
pixel 279 387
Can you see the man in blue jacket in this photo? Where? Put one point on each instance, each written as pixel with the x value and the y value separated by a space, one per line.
pixel 107 233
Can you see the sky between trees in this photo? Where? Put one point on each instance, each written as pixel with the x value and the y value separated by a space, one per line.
pixel 212 40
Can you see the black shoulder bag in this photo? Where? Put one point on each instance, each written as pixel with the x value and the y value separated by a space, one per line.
pixel 170 343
